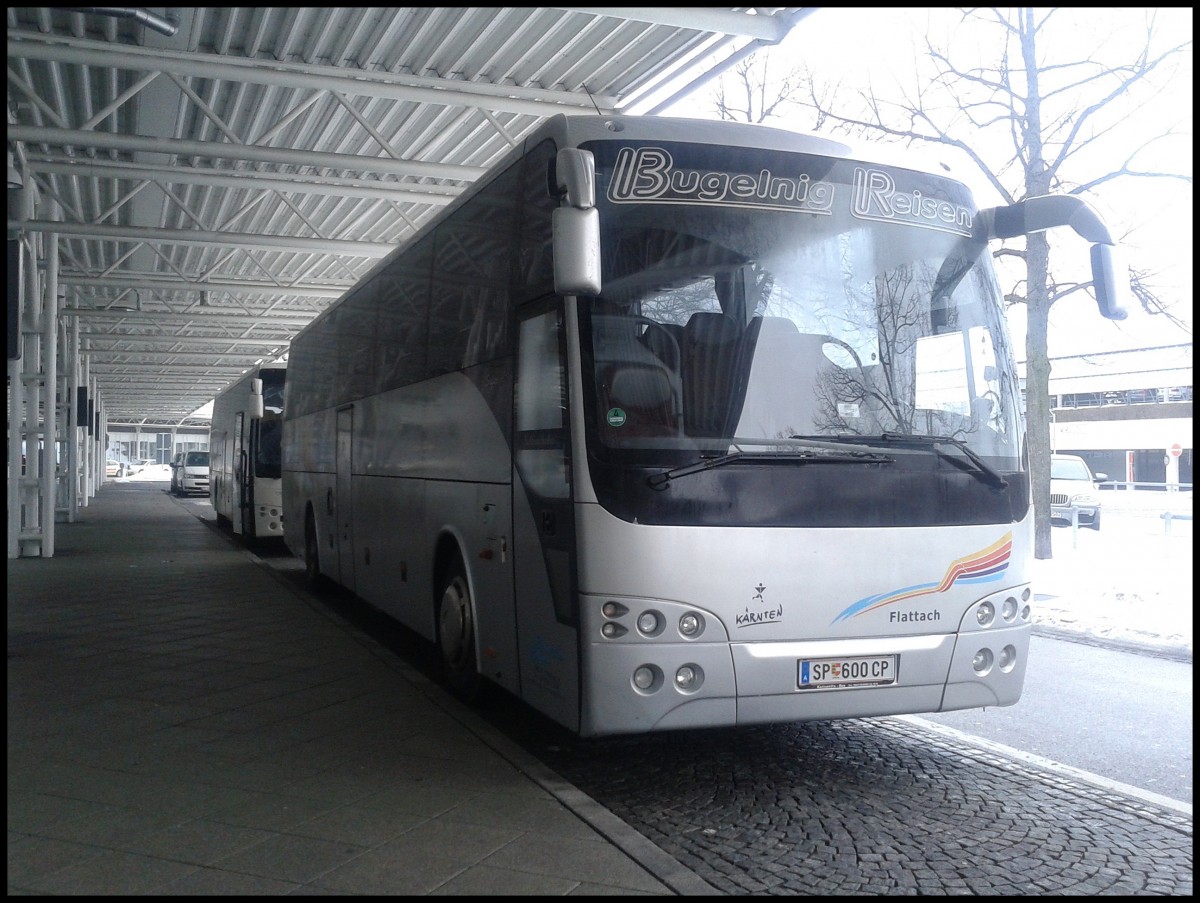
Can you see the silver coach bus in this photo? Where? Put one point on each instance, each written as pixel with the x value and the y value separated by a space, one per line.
pixel 669 423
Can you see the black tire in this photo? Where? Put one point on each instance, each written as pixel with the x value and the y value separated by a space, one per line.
pixel 456 634
pixel 312 557
pixel 249 537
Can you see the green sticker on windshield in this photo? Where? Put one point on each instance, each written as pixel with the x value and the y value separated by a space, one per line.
pixel 616 417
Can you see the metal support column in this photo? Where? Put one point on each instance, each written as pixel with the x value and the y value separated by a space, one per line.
pixel 73 431
pixel 29 534
pixel 48 490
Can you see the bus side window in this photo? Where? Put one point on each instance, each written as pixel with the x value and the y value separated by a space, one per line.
pixel 541 402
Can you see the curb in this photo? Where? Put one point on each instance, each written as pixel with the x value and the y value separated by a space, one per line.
pixel 1176 653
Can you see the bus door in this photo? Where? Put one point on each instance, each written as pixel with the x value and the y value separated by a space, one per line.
pixel 246 486
pixel 344 503
pixel 544 519
pixel 236 490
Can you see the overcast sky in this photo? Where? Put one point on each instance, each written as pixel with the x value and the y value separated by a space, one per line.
pixel 880 47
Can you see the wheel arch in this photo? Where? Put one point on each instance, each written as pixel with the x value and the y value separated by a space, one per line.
pixel 464 678
pixel 316 579
pixel 447 548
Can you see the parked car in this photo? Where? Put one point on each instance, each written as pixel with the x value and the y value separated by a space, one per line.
pixel 1073 485
pixel 138 466
pixel 189 473
pixel 113 468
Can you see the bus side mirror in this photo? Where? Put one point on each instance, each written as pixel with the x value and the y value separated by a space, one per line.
pixel 1110 280
pixel 576 251
pixel 1110 277
pixel 254 407
pixel 576 224
pixel 575 178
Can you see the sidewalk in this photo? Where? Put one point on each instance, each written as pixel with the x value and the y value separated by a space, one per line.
pixel 181 721
pixel 1128 584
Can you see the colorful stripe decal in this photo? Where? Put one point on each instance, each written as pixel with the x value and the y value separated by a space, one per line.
pixel 979 567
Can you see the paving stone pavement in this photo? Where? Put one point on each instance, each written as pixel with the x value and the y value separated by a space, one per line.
pixel 181 722
pixel 879 807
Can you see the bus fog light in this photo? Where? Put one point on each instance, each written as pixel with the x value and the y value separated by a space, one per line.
pixel 650 623
pixel 688 678
pixel 1026 612
pixel 647 678
pixel 1008 610
pixel 613 609
pixel 1008 658
pixel 611 629
pixel 985 614
pixel 1026 594
pixel 691 624
pixel 982 663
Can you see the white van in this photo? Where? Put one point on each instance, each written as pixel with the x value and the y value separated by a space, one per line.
pixel 189 473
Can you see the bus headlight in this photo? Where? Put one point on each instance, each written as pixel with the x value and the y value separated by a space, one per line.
pixel 688 678
pixel 690 624
pixel 1008 609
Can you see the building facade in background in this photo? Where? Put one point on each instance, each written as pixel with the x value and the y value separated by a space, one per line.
pixel 129 444
pixel 1127 413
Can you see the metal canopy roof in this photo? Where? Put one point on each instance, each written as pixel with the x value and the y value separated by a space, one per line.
pixel 218 176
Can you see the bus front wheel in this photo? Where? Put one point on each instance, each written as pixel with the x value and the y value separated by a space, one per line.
pixel 248 535
pixel 456 635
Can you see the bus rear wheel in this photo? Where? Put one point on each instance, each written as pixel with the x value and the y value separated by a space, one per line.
pixel 312 556
pixel 456 635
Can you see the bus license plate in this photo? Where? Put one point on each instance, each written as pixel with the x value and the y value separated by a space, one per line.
pixel 868 671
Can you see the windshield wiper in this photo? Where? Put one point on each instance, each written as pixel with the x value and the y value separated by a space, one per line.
pixel 660 480
pixel 984 471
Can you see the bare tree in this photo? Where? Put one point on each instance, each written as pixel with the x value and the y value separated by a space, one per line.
pixel 750 93
pixel 1052 118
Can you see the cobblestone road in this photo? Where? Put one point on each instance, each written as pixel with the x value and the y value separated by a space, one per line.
pixel 875 807
pixel 858 807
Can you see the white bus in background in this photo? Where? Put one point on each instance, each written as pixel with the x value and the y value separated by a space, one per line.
pixel 245 458
pixel 670 424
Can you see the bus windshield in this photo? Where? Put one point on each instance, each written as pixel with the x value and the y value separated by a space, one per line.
pixel 825 303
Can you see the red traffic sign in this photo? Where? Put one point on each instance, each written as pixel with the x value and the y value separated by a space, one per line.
pixel 1176 450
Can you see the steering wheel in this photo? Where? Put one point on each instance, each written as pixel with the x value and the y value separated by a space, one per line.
pixel 672 344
